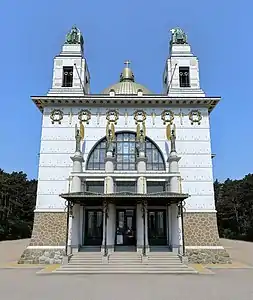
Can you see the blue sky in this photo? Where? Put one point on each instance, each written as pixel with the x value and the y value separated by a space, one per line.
pixel 220 34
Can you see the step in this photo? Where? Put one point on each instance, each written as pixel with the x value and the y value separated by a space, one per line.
pixel 125 267
pixel 122 271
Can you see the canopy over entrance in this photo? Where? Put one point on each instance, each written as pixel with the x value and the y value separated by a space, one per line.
pixel 124 198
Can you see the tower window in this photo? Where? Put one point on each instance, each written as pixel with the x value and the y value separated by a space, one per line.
pixel 67 77
pixel 184 76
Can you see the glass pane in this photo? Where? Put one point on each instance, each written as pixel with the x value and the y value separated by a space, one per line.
pixel 132 167
pixel 96 166
pixel 129 222
pixel 125 148
pixel 119 158
pixel 132 158
pixel 119 148
pixel 119 166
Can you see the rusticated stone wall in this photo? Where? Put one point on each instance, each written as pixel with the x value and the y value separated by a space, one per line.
pixel 200 229
pixel 208 256
pixel 49 229
pixel 45 256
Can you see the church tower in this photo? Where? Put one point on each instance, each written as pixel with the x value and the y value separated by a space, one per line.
pixel 181 74
pixel 70 74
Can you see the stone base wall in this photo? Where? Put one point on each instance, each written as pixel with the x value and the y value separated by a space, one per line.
pixel 200 231
pixel 208 256
pixel 45 256
pixel 49 229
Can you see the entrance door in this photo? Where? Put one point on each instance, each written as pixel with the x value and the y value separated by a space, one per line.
pixel 93 227
pixel 157 234
pixel 125 227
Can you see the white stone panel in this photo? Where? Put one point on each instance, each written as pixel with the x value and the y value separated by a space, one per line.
pixel 55 160
pixel 197 188
pixel 50 202
pixel 58 147
pixel 199 174
pixel 52 187
pixel 200 203
pixel 195 161
pixel 56 173
pixel 193 147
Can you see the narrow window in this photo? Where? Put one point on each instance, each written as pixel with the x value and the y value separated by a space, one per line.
pixel 67 77
pixel 184 76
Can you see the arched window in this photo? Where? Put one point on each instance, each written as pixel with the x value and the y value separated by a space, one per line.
pixel 125 154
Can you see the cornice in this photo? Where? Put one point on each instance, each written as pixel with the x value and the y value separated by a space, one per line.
pixel 126 100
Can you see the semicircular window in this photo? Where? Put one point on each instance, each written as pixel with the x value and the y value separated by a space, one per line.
pixel 126 154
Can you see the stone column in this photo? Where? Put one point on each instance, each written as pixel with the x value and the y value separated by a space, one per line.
pixel 141 189
pixel 74 216
pixel 176 221
pixel 69 246
pixel 109 208
pixel 76 228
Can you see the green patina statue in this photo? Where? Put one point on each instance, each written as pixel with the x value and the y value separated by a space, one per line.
pixel 178 36
pixel 74 36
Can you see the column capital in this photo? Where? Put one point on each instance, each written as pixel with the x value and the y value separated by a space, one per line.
pixel 78 156
pixel 141 158
pixel 173 157
pixel 109 158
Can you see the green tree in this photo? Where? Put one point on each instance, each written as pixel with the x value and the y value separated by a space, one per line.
pixel 17 202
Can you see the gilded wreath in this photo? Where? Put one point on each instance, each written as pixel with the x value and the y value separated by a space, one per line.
pixel 84 116
pixel 195 116
pixel 167 117
pixel 56 116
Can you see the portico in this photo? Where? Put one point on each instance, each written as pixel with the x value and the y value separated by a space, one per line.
pixel 125 219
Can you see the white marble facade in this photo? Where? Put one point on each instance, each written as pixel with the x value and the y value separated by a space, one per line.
pixel 58 144
pixel 193 142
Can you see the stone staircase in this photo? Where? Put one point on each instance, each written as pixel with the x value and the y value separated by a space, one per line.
pixel 89 262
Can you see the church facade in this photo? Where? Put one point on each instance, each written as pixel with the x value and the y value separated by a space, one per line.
pixel 126 168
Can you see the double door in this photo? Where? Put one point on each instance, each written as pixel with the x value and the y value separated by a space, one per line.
pixel 93 233
pixel 157 229
pixel 125 227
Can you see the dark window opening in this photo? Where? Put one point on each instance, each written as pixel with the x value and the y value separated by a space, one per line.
pixel 95 186
pixel 155 187
pixel 184 76
pixel 126 186
pixel 67 77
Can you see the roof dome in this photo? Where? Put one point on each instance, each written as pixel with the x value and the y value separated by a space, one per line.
pixel 126 85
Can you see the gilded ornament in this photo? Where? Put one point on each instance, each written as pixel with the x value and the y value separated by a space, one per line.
pixel 84 116
pixel 56 116
pixel 195 116
pixel 153 115
pixel 167 116
pixel 168 132
pixel 139 116
pixel 112 116
pixel 126 117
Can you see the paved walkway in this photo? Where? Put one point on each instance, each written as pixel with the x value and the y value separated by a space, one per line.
pixel 225 284
pixel 12 250
pixel 239 251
